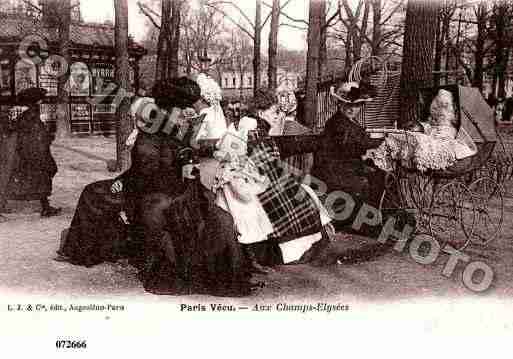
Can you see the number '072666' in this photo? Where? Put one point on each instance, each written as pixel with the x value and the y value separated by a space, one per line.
pixel 70 344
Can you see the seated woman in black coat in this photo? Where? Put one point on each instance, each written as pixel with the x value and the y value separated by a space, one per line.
pixel 190 244
pixel 338 164
pixel 97 232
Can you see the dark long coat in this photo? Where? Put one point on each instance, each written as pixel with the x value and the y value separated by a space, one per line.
pixel 34 166
pixel 96 233
pixel 8 157
pixel 338 162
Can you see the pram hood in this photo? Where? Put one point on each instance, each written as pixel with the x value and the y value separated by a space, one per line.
pixel 476 117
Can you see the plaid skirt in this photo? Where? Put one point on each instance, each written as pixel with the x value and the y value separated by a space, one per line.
pixel 292 212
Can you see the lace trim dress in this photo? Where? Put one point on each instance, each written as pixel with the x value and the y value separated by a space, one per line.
pixel 437 149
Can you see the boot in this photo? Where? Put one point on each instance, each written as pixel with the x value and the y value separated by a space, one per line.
pixel 254 266
pixel 47 210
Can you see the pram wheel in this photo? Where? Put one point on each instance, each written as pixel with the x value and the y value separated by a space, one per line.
pixel 452 215
pixel 489 207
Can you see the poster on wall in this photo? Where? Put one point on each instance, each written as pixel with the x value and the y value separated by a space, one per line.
pixel 79 80
pixel 25 75
pixel 80 118
pixel 5 78
pixel 103 79
pixel 48 112
pixel 80 112
pixel 48 78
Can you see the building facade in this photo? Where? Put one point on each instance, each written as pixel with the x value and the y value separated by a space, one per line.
pixel 29 56
pixel 237 85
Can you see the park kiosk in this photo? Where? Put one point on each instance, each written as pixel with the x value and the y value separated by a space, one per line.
pixel 25 36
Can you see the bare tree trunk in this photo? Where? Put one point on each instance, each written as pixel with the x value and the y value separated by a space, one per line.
pixel 438 51
pixel 323 50
pixel 501 50
pixel 161 71
pixel 348 63
pixel 316 14
pixel 417 67
pixel 124 125
pixel 477 78
pixel 359 37
pixel 256 47
pixel 174 47
pixel 446 22
pixel 376 28
pixel 272 70
pixel 63 111
pixel 502 77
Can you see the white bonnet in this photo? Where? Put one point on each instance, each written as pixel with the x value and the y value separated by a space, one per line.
pixel 210 89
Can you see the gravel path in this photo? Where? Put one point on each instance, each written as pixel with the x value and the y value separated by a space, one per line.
pixel 28 243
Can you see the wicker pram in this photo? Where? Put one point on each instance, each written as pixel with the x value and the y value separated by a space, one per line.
pixel 464 202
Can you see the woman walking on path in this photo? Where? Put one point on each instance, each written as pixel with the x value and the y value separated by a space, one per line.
pixel 29 166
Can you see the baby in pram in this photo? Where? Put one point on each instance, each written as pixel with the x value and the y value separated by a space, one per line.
pixel 438 146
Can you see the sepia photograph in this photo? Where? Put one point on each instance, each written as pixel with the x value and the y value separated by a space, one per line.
pixel 170 165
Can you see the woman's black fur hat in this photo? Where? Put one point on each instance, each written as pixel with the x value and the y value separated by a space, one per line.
pixel 181 92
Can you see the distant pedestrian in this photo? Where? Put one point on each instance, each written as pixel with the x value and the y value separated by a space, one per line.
pixel 30 167
pixel 492 100
pixel 499 108
pixel 233 112
pixel 508 110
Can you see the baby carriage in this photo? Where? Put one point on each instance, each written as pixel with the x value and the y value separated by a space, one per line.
pixel 463 203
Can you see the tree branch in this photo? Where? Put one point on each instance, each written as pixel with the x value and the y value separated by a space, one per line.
pixel 392 13
pixel 330 19
pixel 144 10
pixel 213 4
pixel 350 26
pixel 270 14
pixel 294 26
pixel 34 7
pixel 39 10
pixel 242 28
pixel 286 15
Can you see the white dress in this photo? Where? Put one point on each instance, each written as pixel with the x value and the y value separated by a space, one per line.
pixel 237 184
pixel 214 124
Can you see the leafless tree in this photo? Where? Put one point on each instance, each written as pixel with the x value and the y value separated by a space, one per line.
pixel 465 37
pixel 316 15
pixel 369 28
pixel 204 35
pixel 168 45
pixel 272 70
pixel 123 122
pixel 253 29
pixel 57 14
pixel 478 40
pixel 502 18
pixel 417 65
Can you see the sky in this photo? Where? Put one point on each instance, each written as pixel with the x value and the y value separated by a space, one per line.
pixel 101 10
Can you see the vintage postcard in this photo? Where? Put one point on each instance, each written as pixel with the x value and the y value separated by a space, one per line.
pixel 296 177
